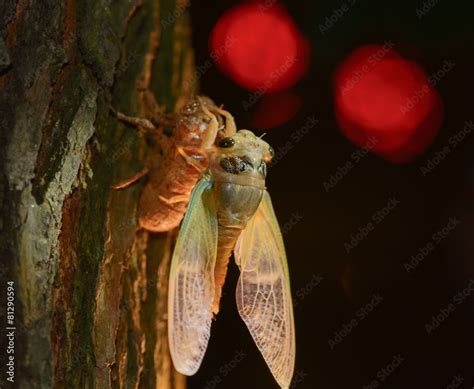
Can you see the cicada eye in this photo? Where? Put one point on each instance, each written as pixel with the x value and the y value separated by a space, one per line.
pixel 271 151
pixel 226 143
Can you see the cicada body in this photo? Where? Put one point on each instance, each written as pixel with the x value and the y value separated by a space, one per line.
pixel 173 175
pixel 231 211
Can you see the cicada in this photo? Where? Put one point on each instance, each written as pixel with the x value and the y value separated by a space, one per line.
pixel 231 211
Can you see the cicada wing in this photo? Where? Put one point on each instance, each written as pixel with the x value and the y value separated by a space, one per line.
pixel 191 283
pixel 263 291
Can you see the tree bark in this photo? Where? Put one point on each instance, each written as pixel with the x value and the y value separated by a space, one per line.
pixel 90 287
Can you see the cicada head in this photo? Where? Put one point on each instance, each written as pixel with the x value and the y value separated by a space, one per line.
pixel 243 155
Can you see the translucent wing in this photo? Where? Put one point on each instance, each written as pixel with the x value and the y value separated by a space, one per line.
pixel 191 285
pixel 263 291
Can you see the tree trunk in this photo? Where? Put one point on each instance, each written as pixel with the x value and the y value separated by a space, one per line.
pixel 90 287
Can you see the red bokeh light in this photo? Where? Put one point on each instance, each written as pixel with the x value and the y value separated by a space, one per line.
pixel 259 47
pixel 381 96
pixel 276 109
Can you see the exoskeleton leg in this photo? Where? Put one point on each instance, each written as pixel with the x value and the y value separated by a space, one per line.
pixel 174 199
pixel 136 122
pixel 131 180
pixel 230 126
pixel 190 160
pixel 210 136
pixel 156 111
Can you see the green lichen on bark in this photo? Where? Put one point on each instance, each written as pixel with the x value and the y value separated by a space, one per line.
pixel 31 228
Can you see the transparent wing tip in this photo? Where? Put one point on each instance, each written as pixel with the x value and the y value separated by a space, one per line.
pixel 187 370
pixel 283 380
pixel 284 384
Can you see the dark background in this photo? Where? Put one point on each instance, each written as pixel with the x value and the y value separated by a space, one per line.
pixel 315 245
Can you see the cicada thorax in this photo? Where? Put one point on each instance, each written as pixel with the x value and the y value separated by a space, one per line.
pixel 165 197
pixel 239 170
